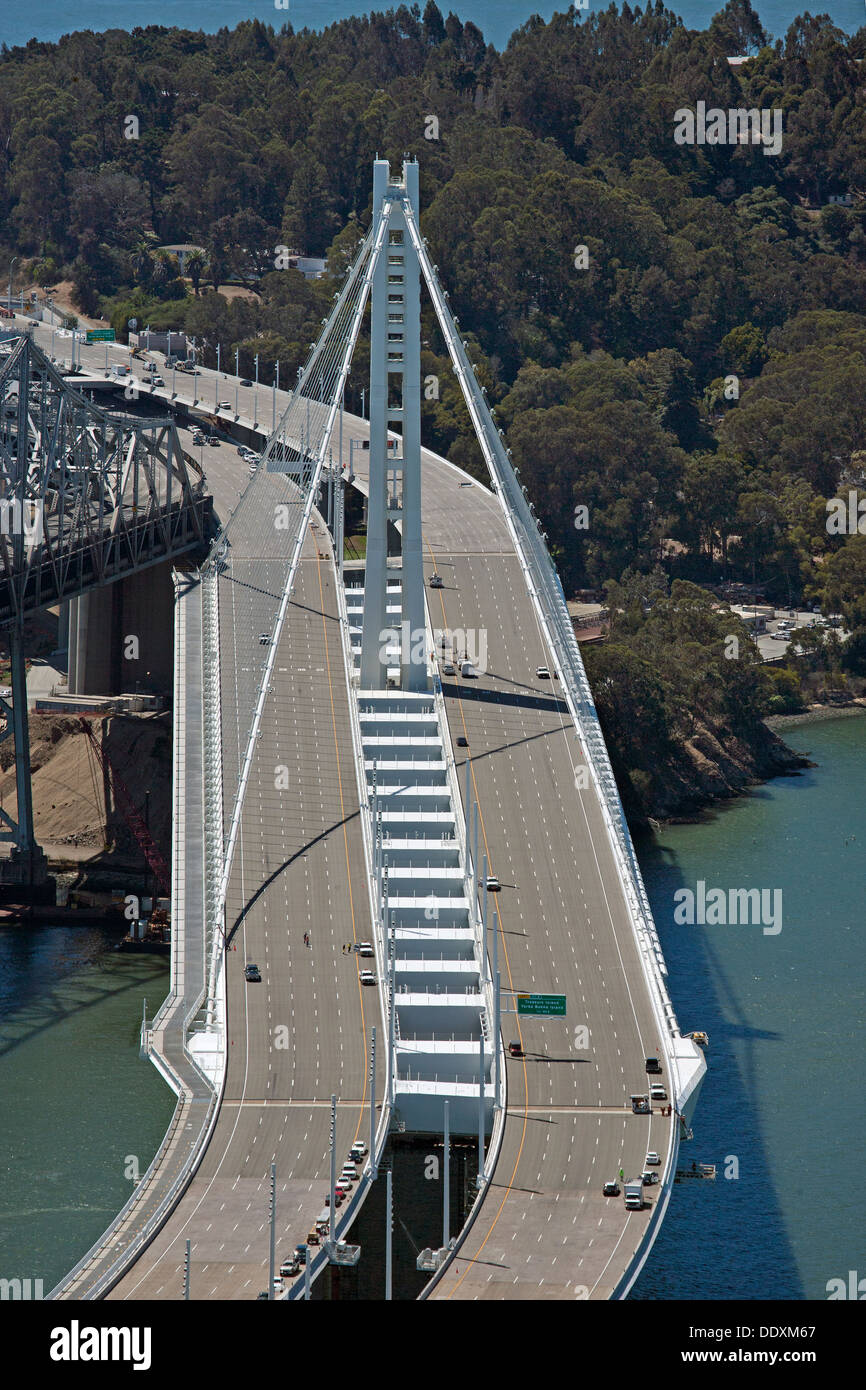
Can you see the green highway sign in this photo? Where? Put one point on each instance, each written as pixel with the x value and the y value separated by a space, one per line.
pixel 542 1005
pixel 100 335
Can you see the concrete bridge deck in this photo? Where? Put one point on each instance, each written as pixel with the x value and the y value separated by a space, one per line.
pixel 303 1031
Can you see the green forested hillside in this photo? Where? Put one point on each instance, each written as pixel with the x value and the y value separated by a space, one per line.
pixel 699 387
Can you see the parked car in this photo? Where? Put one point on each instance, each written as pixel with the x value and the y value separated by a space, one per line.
pixel 224 405
pixel 658 1092
pixel 653 1066
pixel 157 380
pixel 543 673
pixel 213 440
pixel 365 948
pixel 367 977
pixel 611 1189
pixel 649 1177
pixel 289 1268
pixel 652 1159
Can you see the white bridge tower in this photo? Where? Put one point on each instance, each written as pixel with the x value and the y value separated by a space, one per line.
pixel 395 405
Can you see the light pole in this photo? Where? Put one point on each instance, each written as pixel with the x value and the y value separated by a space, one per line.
pixel 363 403
pixel 237 379
pixel 12 263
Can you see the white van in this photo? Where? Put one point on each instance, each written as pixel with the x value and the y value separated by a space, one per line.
pixel 467 669
pixel 119 369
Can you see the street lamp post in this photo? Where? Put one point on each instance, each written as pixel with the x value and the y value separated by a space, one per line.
pixel 12 264
pixel 237 379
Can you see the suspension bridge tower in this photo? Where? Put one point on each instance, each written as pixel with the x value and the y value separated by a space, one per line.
pixel 395 406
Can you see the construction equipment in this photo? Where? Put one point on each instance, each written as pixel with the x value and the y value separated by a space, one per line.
pixel 126 806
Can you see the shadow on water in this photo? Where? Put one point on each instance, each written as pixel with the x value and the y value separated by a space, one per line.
pixel 77 982
pixel 722 1239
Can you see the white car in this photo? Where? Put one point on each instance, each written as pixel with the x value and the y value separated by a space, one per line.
pixel 658 1092
pixel 493 884
pixel 365 948
pixel 367 977
pixel 543 673
pixel 652 1159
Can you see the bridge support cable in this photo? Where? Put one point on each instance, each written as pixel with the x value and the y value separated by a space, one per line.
pixel 545 586
pixel 302 438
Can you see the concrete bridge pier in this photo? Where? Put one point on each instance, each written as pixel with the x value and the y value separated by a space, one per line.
pixel 121 636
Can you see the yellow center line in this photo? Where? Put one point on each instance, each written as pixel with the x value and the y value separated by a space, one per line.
pixel 499 931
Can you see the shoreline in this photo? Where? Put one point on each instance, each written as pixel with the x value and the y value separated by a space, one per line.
pixel 814 713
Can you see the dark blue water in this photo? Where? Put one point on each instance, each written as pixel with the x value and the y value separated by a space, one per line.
pixel 80 1112
pixel 497 19
pixel 786 1018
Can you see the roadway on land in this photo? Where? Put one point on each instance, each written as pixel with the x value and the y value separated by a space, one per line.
pixel 302 1033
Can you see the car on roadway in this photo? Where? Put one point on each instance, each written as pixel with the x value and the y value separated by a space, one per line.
pixel 368 977
pixel 542 673
pixel 515 1049
pixel 653 1066
pixel 348 1175
pixel 301 1254
pixel 224 405
pixel 365 948
pixel 610 1189
pixel 658 1092
pixel 252 974
pixel 448 668
pixel 462 741
pixel 435 581
pixel 649 1177
pixel 264 639
pixel 245 381
pixel 214 441
pixel 278 1286
pixel 359 1148
pixel 652 1159
pixel 493 884
pixel 157 380
pixel 289 1268
pixel 465 484
pixel 338 1198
